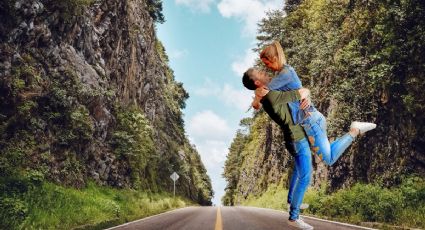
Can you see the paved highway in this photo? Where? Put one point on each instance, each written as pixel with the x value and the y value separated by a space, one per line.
pixel 227 218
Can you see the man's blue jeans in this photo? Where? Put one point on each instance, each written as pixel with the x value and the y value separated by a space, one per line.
pixel 300 178
pixel 315 127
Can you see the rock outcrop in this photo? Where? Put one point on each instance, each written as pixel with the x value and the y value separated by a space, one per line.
pixel 76 77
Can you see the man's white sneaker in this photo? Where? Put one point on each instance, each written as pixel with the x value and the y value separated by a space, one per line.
pixel 304 206
pixel 363 126
pixel 300 224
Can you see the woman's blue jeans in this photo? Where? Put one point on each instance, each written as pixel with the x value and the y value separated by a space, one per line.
pixel 315 128
pixel 302 174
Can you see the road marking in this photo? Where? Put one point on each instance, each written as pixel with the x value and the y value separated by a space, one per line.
pixel 218 223
pixel 148 217
pixel 322 220
pixel 338 223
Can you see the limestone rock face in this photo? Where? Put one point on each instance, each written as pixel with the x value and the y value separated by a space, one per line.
pixel 267 165
pixel 93 57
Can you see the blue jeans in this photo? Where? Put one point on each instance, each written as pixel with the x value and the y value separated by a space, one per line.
pixel 315 128
pixel 300 178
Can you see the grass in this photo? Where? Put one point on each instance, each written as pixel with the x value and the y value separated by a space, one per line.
pixel 402 206
pixel 274 198
pixel 51 206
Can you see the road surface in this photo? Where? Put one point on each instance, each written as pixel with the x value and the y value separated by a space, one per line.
pixel 227 218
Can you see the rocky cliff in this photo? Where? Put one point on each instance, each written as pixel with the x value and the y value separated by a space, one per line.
pixel 362 61
pixel 86 94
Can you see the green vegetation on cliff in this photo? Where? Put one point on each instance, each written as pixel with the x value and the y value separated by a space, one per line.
pixel 362 61
pixel 132 142
pixel 90 113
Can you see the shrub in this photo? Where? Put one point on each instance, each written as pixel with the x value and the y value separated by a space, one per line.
pixel 402 205
pixel 81 123
pixel 368 202
pixel 132 141
pixel 13 212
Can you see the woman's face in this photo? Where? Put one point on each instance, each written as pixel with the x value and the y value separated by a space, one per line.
pixel 271 64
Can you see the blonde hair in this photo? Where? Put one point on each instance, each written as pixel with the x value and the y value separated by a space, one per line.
pixel 274 50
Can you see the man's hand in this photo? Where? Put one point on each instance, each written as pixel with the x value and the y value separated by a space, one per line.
pixel 261 92
pixel 305 103
pixel 305 93
pixel 256 105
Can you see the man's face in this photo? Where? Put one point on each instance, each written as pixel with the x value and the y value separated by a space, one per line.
pixel 261 78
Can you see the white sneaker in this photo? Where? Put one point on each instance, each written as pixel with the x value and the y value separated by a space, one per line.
pixel 363 126
pixel 303 206
pixel 300 224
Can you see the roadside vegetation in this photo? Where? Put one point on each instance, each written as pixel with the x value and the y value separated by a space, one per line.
pixel 33 205
pixel 402 206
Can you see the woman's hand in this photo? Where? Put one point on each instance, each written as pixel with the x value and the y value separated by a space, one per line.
pixel 305 103
pixel 305 93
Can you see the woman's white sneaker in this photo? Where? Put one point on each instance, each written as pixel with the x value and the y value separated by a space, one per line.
pixel 363 126
pixel 300 224
pixel 302 206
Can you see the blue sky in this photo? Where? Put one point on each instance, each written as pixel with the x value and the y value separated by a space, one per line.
pixel 209 45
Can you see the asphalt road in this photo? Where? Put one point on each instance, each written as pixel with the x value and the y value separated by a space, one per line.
pixel 227 218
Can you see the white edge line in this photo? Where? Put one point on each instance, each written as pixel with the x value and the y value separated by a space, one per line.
pixel 148 217
pixel 339 223
pixel 318 219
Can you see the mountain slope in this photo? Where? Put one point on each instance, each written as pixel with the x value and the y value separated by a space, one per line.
pixel 86 94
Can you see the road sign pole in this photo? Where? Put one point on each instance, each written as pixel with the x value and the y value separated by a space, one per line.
pixel 174 177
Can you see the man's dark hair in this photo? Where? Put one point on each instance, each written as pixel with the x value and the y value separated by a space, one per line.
pixel 247 80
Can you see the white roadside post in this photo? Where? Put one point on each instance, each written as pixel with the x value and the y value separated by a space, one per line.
pixel 174 177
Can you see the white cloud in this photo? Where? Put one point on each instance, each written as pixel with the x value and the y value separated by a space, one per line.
pixel 241 64
pixel 208 89
pixel 234 98
pixel 213 152
pixel 178 54
pixel 208 125
pixel 238 98
pixel 197 5
pixel 248 11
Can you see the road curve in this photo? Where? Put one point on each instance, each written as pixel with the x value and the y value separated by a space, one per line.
pixel 227 218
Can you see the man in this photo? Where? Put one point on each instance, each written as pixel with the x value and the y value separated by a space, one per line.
pixel 275 105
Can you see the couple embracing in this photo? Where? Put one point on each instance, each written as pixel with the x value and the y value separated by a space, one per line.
pixel 285 100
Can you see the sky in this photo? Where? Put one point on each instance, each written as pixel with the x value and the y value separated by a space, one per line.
pixel 209 44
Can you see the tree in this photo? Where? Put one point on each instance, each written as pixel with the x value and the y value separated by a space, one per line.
pixel 155 10
pixel 291 5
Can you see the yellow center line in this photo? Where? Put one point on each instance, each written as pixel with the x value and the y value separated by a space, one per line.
pixel 218 223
